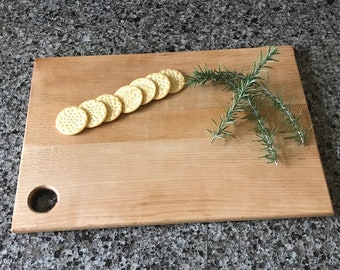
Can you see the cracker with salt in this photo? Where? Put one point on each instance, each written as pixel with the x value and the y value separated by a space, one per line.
pixel 162 83
pixel 148 88
pixel 113 105
pixel 71 120
pixel 96 111
pixel 176 78
pixel 131 97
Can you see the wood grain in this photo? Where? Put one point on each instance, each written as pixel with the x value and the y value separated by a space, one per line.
pixel 157 165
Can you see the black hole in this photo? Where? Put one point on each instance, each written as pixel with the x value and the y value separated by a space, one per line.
pixel 42 199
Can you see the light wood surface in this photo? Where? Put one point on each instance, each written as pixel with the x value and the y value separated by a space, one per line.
pixel 157 165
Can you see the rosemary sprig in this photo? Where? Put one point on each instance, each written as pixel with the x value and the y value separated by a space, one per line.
pixel 229 117
pixel 246 89
pixel 292 120
pixel 242 89
pixel 201 76
pixel 267 136
pixel 261 64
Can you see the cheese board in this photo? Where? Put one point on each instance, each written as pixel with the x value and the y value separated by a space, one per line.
pixel 157 164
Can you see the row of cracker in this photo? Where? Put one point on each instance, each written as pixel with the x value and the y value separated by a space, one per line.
pixel 106 108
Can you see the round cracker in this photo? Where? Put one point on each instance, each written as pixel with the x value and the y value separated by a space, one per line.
pixel 162 84
pixel 176 78
pixel 96 111
pixel 71 120
pixel 113 105
pixel 148 88
pixel 131 97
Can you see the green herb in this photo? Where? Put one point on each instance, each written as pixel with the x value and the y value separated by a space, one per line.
pixel 267 136
pixel 248 92
pixel 292 120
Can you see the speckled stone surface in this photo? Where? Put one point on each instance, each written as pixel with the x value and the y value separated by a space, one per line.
pixel 32 29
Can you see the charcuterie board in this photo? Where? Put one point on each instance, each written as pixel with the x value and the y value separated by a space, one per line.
pixel 157 164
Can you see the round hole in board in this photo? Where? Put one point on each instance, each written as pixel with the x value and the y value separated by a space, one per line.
pixel 42 199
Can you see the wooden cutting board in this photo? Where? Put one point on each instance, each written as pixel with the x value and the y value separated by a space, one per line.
pixel 157 165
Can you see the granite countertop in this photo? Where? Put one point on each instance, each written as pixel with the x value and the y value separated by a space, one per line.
pixel 31 29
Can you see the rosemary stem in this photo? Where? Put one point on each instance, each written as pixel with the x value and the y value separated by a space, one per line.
pixel 265 134
pixel 225 121
pixel 201 76
pixel 258 66
pixel 285 109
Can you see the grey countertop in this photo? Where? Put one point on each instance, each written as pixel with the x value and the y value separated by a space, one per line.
pixel 32 29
